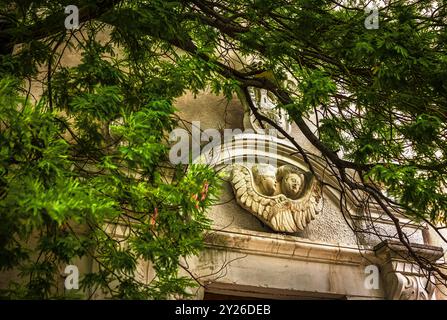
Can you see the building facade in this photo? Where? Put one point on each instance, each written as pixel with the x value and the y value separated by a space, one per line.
pixel 278 232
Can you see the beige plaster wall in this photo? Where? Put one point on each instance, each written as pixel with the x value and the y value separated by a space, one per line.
pixel 330 226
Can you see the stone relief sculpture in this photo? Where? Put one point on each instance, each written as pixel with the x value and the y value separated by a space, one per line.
pixel 286 199
pixel 267 106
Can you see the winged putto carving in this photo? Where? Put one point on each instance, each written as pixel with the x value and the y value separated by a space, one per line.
pixel 286 199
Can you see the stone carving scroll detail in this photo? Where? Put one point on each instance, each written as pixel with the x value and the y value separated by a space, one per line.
pixel 402 277
pixel 267 105
pixel 409 287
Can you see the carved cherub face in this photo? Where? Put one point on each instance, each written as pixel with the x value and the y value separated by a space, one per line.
pixel 265 179
pixel 291 184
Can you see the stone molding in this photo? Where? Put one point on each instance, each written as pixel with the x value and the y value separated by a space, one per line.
pixel 266 105
pixel 270 265
pixel 287 246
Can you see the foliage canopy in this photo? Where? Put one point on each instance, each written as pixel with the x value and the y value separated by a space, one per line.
pixel 93 148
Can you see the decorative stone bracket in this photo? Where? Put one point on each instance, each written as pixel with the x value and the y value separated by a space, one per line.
pixel 267 105
pixel 401 275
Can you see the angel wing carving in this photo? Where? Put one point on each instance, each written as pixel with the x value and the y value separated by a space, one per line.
pixel 280 212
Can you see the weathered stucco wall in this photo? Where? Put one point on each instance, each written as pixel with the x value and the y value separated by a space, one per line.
pixel 253 260
pixel 330 226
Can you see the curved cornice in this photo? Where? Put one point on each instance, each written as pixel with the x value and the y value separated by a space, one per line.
pixel 251 147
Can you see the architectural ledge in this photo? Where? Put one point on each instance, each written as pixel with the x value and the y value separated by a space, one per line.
pixel 287 246
pixel 391 249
